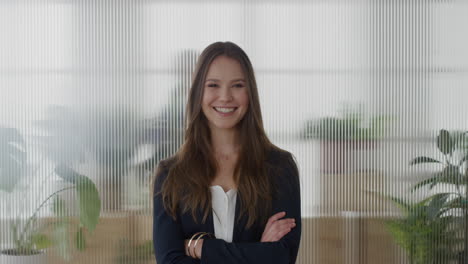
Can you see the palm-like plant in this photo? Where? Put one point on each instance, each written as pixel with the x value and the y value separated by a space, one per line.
pixel 430 228
pixel 427 237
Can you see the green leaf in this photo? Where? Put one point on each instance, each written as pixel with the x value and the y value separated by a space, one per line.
pixel 88 196
pixel 457 203
pixel 80 239
pixel 432 181
pixel 445 142
pixel 423 159
pixel 450 174
pixel 41 241
pixel 460 139
pixel 145 250
pixel 437 203
pixel 90 203
pixel 402 204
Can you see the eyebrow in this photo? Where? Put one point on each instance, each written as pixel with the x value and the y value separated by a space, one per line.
pixel 235 80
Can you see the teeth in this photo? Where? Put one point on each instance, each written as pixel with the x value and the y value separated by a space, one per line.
pixel 224 110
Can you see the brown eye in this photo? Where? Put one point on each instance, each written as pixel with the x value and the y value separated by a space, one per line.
pixel 239 85
pixel 212 85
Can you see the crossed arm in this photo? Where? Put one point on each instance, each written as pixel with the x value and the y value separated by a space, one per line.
pixel 275 229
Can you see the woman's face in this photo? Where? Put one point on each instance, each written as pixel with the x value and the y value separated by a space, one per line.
pixel 225 98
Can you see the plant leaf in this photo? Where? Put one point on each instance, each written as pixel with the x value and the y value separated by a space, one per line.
pixel 402 204
pixel 432 181
pixel 450 174
pixel 423 159
pixel 80 239
pixel 88 196
pixel 444 142
pixel 90 203
pixel 457 203
pixel 437 203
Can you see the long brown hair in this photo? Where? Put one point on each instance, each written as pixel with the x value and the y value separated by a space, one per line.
pixel 192 169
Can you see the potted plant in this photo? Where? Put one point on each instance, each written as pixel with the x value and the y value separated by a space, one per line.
pixel 340 135
pixel 430 229
pixel 30 236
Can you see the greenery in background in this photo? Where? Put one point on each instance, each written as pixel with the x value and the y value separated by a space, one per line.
pixel 113 138
pixel 134 253
pixel 427 237
pixel 31 235
pixel 353 125
pixel 435 230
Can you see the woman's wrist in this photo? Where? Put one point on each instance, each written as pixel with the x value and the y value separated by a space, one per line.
pixel 194 246
pixel 198 249
pixel 190 246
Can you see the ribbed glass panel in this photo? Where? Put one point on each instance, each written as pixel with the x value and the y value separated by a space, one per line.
pixel 369 95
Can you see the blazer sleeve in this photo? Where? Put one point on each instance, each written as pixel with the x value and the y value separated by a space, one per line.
pixel 168 237
pixel 283 251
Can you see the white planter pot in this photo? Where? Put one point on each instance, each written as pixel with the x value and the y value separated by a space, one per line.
pixel 32 259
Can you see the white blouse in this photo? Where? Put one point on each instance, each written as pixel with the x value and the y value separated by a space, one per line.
pixel 224 210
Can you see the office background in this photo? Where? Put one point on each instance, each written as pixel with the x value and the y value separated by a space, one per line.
pixel 356 90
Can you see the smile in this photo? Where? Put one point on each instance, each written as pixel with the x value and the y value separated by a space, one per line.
pixel 224 110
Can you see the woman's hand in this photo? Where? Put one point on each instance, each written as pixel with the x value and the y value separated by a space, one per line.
pixel 198 248
pixel 276 229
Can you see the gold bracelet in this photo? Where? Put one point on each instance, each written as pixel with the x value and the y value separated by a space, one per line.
pixel 196 242
pixel 190 242
pixel 199 237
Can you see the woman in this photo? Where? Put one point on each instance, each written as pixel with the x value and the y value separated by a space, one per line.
pixel 223 196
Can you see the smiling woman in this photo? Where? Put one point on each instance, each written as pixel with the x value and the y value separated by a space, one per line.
pixel 225 193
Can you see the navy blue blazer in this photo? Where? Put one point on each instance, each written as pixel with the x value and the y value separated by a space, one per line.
pixel 169 235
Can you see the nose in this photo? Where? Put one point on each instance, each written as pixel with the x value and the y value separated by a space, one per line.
pixel 225 94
